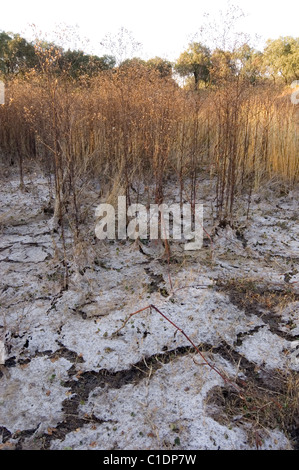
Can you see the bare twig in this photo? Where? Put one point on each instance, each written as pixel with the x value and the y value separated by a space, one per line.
pixel 151 306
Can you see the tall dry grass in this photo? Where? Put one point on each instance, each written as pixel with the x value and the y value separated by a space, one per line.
pixel 254 140
pixel 129 126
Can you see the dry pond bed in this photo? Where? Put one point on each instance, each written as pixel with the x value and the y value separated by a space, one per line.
pixel 70 382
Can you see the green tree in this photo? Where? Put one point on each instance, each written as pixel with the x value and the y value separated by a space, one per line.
pixel 78 63
pixel 281 58
pixel 222 66
pixel 249 63
pixel 163 66
pixel 195 62
pixel 16 54
pixel 135 62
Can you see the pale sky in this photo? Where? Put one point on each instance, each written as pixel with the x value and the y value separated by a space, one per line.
pixel 164 27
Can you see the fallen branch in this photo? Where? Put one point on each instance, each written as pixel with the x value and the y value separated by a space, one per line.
pixel 150 307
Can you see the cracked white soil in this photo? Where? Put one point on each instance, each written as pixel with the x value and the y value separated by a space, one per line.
pixel 68 382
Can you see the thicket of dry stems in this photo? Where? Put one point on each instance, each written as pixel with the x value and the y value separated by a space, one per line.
pixel 129 125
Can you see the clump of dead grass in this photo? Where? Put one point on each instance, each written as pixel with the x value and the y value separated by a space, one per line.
pixel 268 403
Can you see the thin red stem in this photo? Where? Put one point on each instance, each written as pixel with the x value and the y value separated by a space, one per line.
pixel 151 306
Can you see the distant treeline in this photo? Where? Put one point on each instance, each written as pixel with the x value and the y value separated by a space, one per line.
pixel 198 64
pixel 128 123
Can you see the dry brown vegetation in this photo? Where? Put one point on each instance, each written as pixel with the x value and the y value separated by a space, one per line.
pixel 131 128
pixel 267 407
pixel 130 125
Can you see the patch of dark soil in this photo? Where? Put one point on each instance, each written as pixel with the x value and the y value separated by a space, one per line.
pixel 259 301
pixel 295 437
pixel 259 409
pixel 5 434
pixel 81 385
pixel 62 352
pixel 22 435
pixel 84 383
pixel 244 334
pixel 19 436
pixel 248 368
pixel 69 424
pixel 66 353
pixel 269 399
pixel 157 283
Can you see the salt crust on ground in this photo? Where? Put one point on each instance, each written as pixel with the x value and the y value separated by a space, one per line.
pixel 39 320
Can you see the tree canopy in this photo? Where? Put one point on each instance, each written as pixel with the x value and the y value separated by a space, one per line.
pixel 281 58
pixel 15 53
pixel 18 55
pixel 195 61
pixel 78 63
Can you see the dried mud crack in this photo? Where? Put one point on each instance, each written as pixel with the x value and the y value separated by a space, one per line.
pixel 68 382
pixel 260 301
pixel 269 399
pixel 80 386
